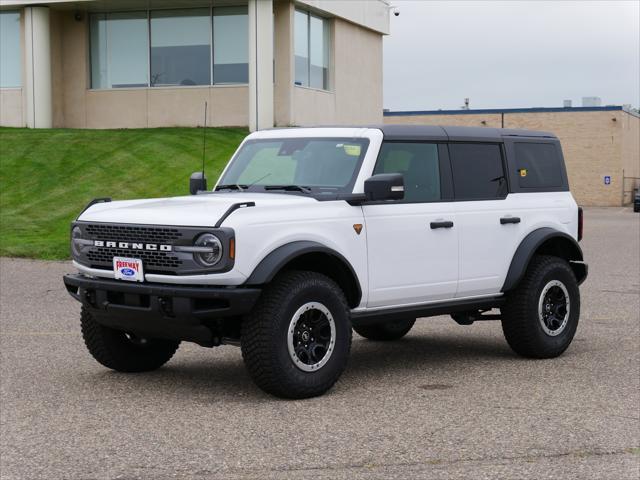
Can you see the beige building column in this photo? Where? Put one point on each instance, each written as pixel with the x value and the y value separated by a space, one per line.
pixel 37 61
pixel 283 11
pixel 260 64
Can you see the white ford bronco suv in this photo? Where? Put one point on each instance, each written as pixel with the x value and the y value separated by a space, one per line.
pixel 312 232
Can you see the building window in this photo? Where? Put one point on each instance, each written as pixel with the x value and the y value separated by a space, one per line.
pixel 180 47
pixel 230 45
pixel 119 50
pixel 301 48
pixel 170 47
pixel 10 53
pixel 312 50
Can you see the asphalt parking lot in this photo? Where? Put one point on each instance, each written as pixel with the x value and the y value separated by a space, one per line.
pixel 445 402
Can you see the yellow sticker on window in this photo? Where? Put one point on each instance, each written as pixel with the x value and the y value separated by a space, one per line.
pixel 523 172
pixel 352 150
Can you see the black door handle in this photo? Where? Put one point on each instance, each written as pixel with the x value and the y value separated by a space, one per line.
pixel 505 220
pixel 447 224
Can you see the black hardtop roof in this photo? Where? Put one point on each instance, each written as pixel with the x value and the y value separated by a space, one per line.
pixel 441 133
pixel 444 133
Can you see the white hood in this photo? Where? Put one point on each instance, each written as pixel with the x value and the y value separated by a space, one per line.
pixel 194 210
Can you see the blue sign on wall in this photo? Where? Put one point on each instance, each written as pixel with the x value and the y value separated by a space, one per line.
pixel 607 180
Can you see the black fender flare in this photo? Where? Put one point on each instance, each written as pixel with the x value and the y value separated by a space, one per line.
pixel 270 265
pixel 528 248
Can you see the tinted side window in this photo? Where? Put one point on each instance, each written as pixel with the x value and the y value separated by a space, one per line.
pixel 419 164
pixel 478 171
pixel 538 165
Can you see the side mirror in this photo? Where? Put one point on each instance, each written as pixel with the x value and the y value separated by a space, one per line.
pixel 384 186
pixel 197 182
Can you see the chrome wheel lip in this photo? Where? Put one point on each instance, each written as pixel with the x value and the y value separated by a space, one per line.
pixel 290 336
pixel 542 308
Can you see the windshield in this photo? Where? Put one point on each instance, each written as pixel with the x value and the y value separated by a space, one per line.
pixel 307 165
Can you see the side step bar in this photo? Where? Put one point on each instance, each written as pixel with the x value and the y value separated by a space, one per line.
pixel 469 307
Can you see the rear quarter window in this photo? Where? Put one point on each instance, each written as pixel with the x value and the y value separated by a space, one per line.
pixel 538 165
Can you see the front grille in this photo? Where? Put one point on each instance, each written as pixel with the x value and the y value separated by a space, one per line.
pixel 130 233
pixel 156 261
pixel 152 260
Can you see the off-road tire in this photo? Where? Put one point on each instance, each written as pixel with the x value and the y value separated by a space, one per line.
pixel 264 335
pixel 387 331
pixel 521 324
pixel 115 350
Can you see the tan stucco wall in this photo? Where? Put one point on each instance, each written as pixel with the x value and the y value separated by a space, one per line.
pixel 283 13
pixel 592 144
pixel 355 96
pixel 11 107
pixel 74 75
pixel 165 107
pixel 313 107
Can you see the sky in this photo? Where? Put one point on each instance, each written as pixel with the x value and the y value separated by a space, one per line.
pixel 511 54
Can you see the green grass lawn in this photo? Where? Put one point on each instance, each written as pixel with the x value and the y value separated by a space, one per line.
pixel 48 176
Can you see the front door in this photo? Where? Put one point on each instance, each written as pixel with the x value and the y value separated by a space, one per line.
pixel 413 243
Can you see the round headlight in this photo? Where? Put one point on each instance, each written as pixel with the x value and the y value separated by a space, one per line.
pixel 76 234
pixel 213 244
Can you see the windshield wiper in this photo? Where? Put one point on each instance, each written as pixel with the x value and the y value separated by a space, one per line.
pixel 289 188
pixel 232 186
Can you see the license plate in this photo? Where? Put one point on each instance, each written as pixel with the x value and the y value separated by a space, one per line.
pixel 129 269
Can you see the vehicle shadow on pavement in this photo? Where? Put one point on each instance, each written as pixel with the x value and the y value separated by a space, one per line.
pixel 418 352
pixel 188 377
pixel 226 379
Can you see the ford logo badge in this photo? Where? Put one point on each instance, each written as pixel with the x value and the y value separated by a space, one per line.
pixel 128 272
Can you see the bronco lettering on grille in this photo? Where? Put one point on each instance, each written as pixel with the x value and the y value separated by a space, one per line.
pixel 133 245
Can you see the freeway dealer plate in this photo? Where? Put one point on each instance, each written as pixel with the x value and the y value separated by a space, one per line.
pixel 129 269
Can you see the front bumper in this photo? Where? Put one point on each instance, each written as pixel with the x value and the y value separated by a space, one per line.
pixel 165 311
pixel 230 278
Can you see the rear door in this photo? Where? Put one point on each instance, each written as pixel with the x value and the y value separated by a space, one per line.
pixel 489 221
pixel 412 244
